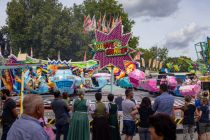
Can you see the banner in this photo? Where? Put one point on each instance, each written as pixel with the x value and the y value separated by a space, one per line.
pixel 112 48
pixel 161 65
pixel 143 62
pixel 154 63
pixel 150 62
pixel 157 64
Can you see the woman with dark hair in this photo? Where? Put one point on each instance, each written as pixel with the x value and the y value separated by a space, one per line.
pixel 162 127
pixel 112 119
pixel 100 121
pixel 145 111
pixel 188 115
pixel 203 121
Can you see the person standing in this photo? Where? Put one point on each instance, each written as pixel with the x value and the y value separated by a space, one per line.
pixel 162 127
pixel 129 111
pixel 164 103
pixel 100 121
pixel 145 111
pixel 28 127
pixel 112 119
pixel 118 101
pixel 9 114
pixel 203 113
pixel 79 128
pixel 62 118
pixel 188 121
pixel 65 97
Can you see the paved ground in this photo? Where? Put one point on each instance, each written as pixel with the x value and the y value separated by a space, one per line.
pixel 138 95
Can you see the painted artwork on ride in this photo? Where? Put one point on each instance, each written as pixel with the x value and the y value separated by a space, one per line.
pixel 7 80
pixel 112 48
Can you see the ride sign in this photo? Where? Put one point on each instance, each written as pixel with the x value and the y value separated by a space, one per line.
pixel 112 48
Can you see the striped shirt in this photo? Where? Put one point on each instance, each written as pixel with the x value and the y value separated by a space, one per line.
pixel 164 104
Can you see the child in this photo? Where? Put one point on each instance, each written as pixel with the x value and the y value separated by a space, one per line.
pixel 112 119
pixel 145 111
pixel 188 121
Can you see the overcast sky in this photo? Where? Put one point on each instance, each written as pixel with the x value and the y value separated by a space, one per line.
pixel 175 24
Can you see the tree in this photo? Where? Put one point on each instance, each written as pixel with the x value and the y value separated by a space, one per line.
pixel 43 25
pixel 4 41
pixel 48 27
pixel 153 53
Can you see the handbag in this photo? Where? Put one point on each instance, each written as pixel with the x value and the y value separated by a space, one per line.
pixel 48 129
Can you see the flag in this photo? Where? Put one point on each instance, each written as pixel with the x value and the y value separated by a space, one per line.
pixel 176 68
pixel 99 23
pixel 85 57
pixel 84 22
pixel 19 51
pixel 143 62
pixel 109 24
pixel 87 23
pixel 93 23
pixel 161 65
pixel 120 19
pixel 59 55
pixel 103 24
pixel 113 23
pixel 150 62
pixel 154 63
pixel 103 21
pixel 31 52
pixel 137 57
pixel 157 64
pixel 10 50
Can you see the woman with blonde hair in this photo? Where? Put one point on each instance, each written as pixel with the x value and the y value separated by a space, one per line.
pixel 79 127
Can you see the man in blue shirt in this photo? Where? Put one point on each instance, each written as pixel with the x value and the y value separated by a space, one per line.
pixel 164 103
pixel 27 127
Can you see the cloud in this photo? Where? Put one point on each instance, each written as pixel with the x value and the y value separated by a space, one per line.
pixel 150 8
pixel 183 37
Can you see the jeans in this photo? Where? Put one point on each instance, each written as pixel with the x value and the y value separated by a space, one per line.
pixel 4 133
pixel 188 129
pixel 144 133
pixel 62 129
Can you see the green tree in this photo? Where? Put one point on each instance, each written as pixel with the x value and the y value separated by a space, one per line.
pixel 48 27
pixel 43 25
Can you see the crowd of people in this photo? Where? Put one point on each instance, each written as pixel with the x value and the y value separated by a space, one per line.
pixel 156 120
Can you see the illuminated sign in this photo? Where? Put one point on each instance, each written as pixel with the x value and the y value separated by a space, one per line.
pixel 111 48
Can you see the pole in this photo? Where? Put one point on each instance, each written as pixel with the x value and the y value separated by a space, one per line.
pixel 21 91
pixel 112 78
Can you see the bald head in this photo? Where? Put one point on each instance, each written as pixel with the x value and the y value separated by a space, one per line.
pixel 33 105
